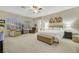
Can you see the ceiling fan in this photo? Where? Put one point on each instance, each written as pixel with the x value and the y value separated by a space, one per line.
pixel 35 9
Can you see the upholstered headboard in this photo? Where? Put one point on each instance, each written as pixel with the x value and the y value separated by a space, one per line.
pixel 56 22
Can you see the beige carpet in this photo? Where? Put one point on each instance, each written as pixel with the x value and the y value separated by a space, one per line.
pixel 28 43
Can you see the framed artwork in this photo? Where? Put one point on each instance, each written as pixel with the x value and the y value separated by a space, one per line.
pixel 2 22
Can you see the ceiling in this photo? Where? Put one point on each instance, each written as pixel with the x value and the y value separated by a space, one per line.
pixel 46 10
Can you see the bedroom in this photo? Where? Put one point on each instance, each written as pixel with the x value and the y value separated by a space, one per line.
pixel 25 26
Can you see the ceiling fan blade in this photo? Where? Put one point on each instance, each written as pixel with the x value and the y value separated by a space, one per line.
pixel 23 7
pixel 40 8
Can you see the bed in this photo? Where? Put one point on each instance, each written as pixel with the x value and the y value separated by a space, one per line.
pixel 59 35
pixel 56 33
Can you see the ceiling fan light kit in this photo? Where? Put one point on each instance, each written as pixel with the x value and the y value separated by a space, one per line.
pixel 36 9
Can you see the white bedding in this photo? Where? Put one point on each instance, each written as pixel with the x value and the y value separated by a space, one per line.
pixel 56 33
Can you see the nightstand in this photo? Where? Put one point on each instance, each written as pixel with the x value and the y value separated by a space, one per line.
pixel 75 38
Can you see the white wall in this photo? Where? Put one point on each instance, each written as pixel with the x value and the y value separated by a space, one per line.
pixel 71 25
pixel 75 25
pixel 19 18
pixel 70 19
